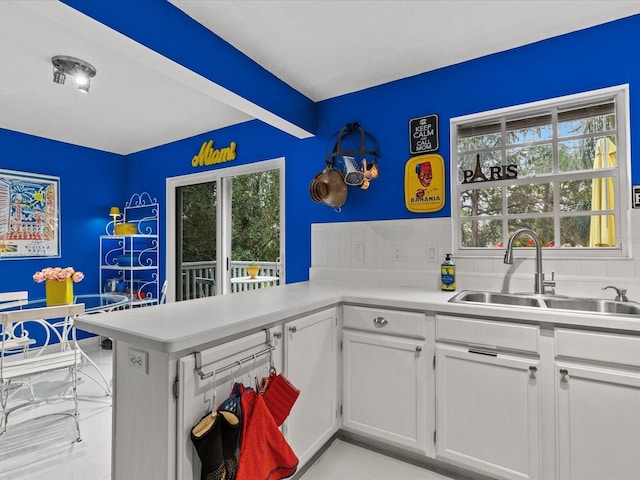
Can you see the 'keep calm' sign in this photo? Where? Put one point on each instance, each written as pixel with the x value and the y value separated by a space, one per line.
pixel 423 134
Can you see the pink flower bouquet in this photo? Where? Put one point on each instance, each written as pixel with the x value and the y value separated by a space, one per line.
pixel 59 274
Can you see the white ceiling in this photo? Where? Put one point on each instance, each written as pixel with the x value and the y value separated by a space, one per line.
pixel 322 48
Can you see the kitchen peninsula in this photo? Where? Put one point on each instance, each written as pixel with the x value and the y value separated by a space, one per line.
pixel 525 369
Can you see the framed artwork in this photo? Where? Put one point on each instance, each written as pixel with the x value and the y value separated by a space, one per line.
pixel 29 215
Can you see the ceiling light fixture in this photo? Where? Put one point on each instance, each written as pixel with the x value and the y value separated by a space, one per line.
pixel 79 69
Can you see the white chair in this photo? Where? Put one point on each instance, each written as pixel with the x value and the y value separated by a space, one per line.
pixel 14 369
pixel 163 293
pixel 206 286
pixel 13 299
pixel 15 336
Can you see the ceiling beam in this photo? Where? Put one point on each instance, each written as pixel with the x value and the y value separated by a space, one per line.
pixel 236 79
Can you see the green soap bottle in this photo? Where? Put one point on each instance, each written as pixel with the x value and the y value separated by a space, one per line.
pixel 448 274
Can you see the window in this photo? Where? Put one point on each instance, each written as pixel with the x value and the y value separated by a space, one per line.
pixel 558 167
pixel 222 222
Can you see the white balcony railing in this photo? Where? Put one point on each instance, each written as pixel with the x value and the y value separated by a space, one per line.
pixel 193 274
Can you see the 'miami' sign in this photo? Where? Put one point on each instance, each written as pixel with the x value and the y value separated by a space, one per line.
pixel 210 156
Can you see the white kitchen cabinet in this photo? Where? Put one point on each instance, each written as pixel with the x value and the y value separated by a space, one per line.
pixel 311 365
pixel 597 394
pixel 488 401
pixel 387 376
pixel 598 423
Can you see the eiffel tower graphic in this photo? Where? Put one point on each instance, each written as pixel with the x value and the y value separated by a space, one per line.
pixel 477 174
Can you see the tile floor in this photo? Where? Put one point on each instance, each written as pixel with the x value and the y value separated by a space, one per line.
pixel 45 448
pixel 345 461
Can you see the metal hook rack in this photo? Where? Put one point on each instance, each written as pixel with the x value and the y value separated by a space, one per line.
pixel 348 129
pixel 198 357
pixel 360 164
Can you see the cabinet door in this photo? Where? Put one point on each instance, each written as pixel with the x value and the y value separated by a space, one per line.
pixel 487 412
pixel 598 424
pixel 310 353
pixel 385 388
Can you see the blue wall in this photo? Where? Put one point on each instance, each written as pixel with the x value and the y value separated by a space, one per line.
pixel 92 181
pixel 564 65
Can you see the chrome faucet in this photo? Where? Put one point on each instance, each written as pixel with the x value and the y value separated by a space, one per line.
pixel 540 283
pixel 621 293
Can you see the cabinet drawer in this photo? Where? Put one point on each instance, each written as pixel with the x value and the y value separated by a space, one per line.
pixel 411 324
pixel 470 331
pixel 604 347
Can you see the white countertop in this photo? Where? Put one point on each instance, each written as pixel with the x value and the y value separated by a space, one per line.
pixel 183 327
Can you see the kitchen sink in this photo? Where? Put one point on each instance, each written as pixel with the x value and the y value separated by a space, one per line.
pixel 594 305
pixel 496 298
pixel 604 306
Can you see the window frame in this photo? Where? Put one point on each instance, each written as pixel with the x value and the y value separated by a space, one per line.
pixel 620 95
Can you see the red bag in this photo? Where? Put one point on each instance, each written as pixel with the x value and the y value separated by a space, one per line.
pixel 279 396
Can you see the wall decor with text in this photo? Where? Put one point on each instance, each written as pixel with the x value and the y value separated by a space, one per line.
pixel 29 215
pixel 424 183
pixel 208 155
pixel 423 134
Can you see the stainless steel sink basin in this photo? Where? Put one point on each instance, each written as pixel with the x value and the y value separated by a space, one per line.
pixel 594 305
pixel 591 305
pixel 496 298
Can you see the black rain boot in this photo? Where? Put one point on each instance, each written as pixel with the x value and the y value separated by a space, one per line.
pixel 207 438
pixel 230 436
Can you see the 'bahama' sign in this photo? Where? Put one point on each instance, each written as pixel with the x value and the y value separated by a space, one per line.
pixel 210 156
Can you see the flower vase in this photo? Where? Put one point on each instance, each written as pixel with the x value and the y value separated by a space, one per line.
pixel 59 292
pixel 253 270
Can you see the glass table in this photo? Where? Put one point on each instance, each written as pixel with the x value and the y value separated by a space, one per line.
pixel 242 284
pixel 93 302
pixel 256 279
pixel 206 286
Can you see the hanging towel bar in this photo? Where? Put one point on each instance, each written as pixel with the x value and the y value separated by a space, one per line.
pixel 198 356
pixel 217 371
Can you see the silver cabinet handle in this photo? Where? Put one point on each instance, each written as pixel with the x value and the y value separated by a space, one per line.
pixel 565 373
pixel 532 371
pixel 380 322
pixel 293 329
pixel 277 334
pixel 418 349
